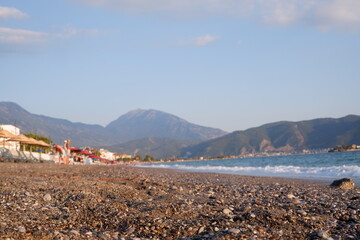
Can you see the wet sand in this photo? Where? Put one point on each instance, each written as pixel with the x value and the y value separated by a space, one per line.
pixel 48 201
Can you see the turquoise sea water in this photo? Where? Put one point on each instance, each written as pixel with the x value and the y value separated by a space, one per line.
pixel 326 166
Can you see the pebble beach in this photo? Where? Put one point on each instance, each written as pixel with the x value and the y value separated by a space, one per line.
pixel 49 201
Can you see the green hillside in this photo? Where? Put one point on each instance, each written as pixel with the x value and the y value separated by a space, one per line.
pixel 282 136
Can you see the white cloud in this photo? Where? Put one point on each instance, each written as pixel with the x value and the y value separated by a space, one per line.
pixel 204 40
pixel 23 41
pixel 20 36
pixel 324 14
pixel 199 41
pixel 69 32
pixel 280 12
pixel 8 12
pixel 343 14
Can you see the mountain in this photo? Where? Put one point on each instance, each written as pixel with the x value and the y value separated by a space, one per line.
pixel 57 129
pixel 140 124
pixel 282 136
pixel 133 125
pixel 156 147
pixel 164 135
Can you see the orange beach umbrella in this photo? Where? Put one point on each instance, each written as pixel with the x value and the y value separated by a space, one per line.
pixel 6 134
pixel 22 139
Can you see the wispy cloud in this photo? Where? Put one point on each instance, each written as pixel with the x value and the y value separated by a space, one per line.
pixel 21 40
pixel 8 12
pixel 20 36
pixel 199 41
pixel 323 14
pixel 339 14
pixel 69 32
pixel 204 40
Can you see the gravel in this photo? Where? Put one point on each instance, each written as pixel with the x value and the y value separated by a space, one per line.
pixel 49 201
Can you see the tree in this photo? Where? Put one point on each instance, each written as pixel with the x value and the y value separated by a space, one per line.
pixel 38 137
pixel 149 158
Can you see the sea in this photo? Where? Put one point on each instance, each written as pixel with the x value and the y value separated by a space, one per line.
pixel 323 167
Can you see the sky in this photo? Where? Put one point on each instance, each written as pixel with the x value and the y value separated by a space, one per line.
pixel 228 64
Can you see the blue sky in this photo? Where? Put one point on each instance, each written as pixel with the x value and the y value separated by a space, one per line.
pixel 229 64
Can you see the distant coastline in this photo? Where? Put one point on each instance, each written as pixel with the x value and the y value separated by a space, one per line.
pixel 345 148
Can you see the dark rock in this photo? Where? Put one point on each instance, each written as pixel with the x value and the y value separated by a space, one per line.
pixel 344 183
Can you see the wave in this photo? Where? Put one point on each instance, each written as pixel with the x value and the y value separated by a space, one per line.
pixel 274 171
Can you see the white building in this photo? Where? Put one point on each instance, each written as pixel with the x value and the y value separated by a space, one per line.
pixel 107 154
pixel 14 130
pixel 10 144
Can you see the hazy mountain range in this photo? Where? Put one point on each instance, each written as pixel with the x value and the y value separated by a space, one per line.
pixel 164 135
pixel 133 125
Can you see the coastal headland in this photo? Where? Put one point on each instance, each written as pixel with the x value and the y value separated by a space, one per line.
pixel 49 201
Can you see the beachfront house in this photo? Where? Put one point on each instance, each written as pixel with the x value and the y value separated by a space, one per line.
pixel 113 156
pixel 10 146
pixel 122 156
pixel 13 145
pixel 104 153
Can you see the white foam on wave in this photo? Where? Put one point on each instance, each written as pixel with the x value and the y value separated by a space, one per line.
pixel 274 171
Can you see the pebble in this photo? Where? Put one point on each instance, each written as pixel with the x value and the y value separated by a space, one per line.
pixel 47 197
pixel 22 229
pixel 301 212
pixel 324 235
pixel 74 232
pixel 227 211
pixel 169 205
pixel 234 230
pixel 290 196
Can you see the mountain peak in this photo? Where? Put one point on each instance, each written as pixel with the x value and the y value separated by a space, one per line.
pixel 141 123
pixel 11 106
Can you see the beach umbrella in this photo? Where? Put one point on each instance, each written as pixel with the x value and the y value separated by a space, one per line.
pixel 20 138
pixel 85 152
pixel 5 134
pixel 75 150
pixel 41 143
pixel 23 139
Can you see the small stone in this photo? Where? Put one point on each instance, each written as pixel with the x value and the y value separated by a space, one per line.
pixel 344 183
pixel 74 232
pixel 301 212
pixel 103 236
pixel 47 197
pixel 323 235
pixel 234 230
pixel 201 229
pixel 115 235
pixel 22 229
pixel 290 196
pixel 227 211
pixel 65 209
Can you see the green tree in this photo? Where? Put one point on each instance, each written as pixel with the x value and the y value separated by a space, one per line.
pixel 149 158
pixel 38 137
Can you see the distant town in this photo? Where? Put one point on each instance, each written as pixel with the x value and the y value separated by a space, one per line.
pixel 345 148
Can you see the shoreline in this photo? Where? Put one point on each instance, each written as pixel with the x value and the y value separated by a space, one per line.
pixel 48 201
